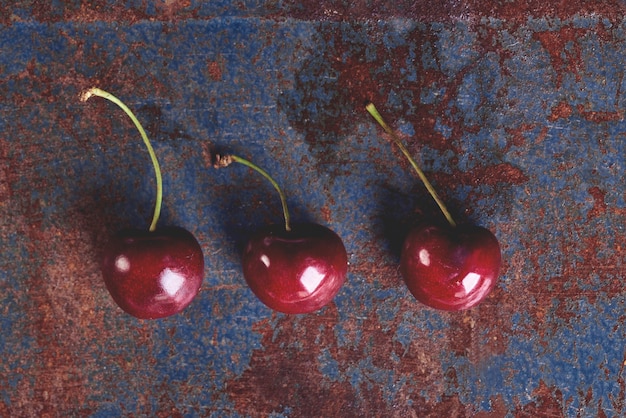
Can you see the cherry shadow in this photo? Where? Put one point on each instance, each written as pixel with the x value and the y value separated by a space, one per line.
pixel 400 212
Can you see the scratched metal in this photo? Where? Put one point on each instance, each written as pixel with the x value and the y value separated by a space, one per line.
pixel 515 110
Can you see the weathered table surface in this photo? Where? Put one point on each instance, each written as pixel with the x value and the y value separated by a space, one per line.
pixel 515 110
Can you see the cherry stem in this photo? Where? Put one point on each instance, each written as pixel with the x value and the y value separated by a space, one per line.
pixel 155 163
pixel 374 112
pixel 226 160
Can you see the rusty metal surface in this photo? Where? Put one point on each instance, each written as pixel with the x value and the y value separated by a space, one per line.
pixel 516 111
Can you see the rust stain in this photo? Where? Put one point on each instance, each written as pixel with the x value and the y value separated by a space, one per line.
pixel 215 70
pixel 516 136
pixel 286 372
pixel 331 87
pixel 98 10
pixel 599 205
pixel 600 117
pixel 563 110
pixel 326 213
pixel 358 81
pixel 542 135
pixel 563 284
pixel 6 192
pixel 500 173
pixel 548 402
pixel 517 12
pixel 564 50
pixel 480 333
pixel 282 374
pixel 64 316
pixel 172 8
pixel 499 409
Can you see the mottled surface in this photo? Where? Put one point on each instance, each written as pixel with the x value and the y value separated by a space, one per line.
pixel 514 109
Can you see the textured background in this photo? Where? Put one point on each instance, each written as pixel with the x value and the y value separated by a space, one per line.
pixel 515 109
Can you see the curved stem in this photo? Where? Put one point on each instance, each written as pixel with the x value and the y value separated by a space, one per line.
pixel 372 110
pixel 155 163
pixel 225 160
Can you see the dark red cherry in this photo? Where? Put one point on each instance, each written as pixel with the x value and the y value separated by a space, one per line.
pixel 296 271
pixel 153 274
pixel 450 268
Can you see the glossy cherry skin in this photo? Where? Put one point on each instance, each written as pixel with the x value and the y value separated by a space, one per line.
pixel 153 274
pixel 450 268
pixel 297 271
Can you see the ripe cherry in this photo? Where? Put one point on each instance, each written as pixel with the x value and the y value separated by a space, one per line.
pixel 450 268
pixel 151 273
pixel 295 271
pixel 292 269
pixel 446 266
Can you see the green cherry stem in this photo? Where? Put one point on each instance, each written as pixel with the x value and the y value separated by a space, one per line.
pixel 374 112
pixel 155 163
pixel 226 160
